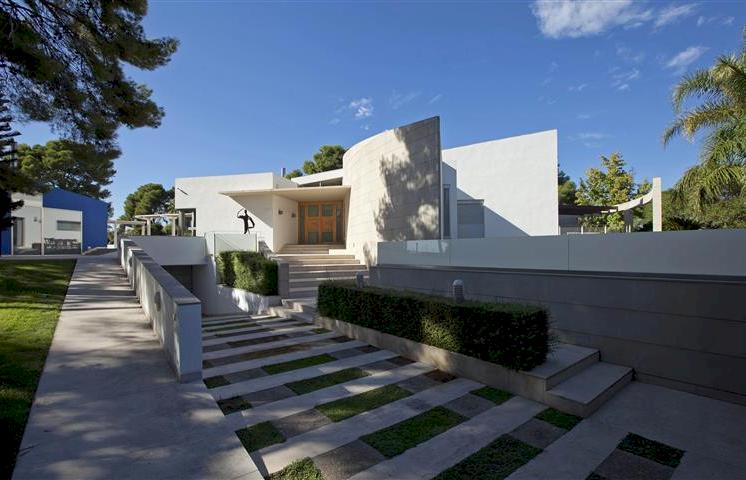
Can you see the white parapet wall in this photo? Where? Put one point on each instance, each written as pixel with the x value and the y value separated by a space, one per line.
pixel 698 252
pixel 174 313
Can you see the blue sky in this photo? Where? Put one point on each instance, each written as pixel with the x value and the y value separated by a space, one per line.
pixel 258 86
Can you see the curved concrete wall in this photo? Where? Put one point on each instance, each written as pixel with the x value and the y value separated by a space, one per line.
pixel 395 194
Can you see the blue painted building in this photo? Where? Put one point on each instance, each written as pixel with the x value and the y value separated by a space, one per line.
pixel 66 221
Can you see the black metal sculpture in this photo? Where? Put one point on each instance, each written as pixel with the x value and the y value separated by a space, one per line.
pixel 246 219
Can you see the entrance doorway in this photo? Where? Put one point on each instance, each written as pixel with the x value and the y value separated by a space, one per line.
pixel 320 222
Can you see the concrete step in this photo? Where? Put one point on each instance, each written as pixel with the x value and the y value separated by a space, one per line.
pixel 565 361
pixel 326 274
pixel 584 393
pixel 322 260
pixel 315 282
pixel 353 267
pixel 291 257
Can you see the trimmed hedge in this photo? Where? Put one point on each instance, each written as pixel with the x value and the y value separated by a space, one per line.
pixel 514 336
pixel 248 271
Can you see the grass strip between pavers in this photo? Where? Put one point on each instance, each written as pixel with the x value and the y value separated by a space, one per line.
pixel 558 419
pixel 493 395
pixel 303 469
pixel 276 368
pixel 494 462
pixel 215 382
pixel 343 408
pixel 259 436
pixel 398 438
pixel 652 450
pixel 317 383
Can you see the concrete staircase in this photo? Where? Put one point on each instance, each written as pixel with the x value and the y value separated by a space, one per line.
pixel 312 264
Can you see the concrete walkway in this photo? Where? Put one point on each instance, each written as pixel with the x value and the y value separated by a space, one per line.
pixel 108 405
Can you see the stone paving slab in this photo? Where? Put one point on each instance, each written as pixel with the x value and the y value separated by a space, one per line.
pixel 263 383
pixel 108 405
pixel 347 460
pixel 256 336
pixel 332 436
pixel 620 465
pixel 450 447
pixel 255 348
pixel 260 362
pixel 289 406
pixel 223 334
pixel 538 433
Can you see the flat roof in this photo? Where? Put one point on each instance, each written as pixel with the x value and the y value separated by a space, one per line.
pixel 333 192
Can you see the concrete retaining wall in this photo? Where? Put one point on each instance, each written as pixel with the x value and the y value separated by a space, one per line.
pixel 236 300
pixel 174 313
pixel 683 331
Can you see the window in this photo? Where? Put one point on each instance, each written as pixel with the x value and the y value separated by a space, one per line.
pixel 470 218
pixel 68 226
pixel 446 211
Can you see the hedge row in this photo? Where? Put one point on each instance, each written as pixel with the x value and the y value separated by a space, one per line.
pixel 514 336
pixel 248 271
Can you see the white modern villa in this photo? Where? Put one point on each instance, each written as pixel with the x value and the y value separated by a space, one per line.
pixel 396 185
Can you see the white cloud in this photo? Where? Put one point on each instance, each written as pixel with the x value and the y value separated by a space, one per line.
pixel 626 54
pixel 365 127
pixel 582 18
pixel 583 116
pixel 702 20
pixel 673 13
pixel 577 88
pixel 363 107
pixel 585 18
pixel 398 100
pixel 682 60
pixel 592 136
pixel 333 121
pixel 436 98
pixel 553 67
pixel 620 79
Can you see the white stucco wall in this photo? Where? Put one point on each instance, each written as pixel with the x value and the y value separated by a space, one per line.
pixel 395 187
pixel 517 179
pixel 217 213
pixel 52 215
pixel 285 225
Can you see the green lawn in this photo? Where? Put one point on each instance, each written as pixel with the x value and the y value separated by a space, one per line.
pixel 317 383
pixel 338 410
pixel 31 293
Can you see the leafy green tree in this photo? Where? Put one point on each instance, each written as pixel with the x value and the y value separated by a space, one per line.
pixel 610 185
pixel 62 62
pixel 721 112
pixel 329 157
pixel 293 174
pixel 567 190
pixel 147 199
pixel 72 166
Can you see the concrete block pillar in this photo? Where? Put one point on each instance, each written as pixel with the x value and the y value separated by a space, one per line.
pixel 657 205
pixel 283 279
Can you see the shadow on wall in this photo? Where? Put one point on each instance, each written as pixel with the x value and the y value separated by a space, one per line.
pixel 495 225
pixel 410 210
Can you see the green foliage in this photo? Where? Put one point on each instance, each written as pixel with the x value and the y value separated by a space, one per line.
pixel 63 63
pixel 303 469
pixel 147 199
pixel 329 157
pixel 72 166
pixel 511 335
pixel 559 419
pixel 493 395
pixel 611 185
pixel 566 189
pixel 309 385
pixel 652 450
pixel 276 368
pixel 248 271
pixel 31 293
pixel 293 174
pixel 396 439
pixel 341 409
pixel 721 112
pixel 496 461
pixel 680 214
pixel 259 436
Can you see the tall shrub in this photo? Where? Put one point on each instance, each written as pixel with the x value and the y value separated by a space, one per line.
pixel 248 271
pixel 514 336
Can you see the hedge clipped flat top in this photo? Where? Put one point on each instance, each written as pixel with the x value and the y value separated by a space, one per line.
pixel 512 335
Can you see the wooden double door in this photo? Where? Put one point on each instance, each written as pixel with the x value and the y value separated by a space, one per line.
pixel 320 222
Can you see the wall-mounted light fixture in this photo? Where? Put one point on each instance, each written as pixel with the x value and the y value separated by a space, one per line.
pixel 279 212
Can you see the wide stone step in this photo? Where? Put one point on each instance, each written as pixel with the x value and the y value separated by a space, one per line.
pixel 326 274
pixel 315 282
pixel 321 260
pixel 292 257
pixel 352 267
pixel 584 393
pixel 565 361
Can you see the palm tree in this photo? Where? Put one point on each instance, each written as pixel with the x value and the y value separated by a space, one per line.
pixel 721 172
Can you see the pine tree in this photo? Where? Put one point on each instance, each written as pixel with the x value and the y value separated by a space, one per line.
pixel 11 178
